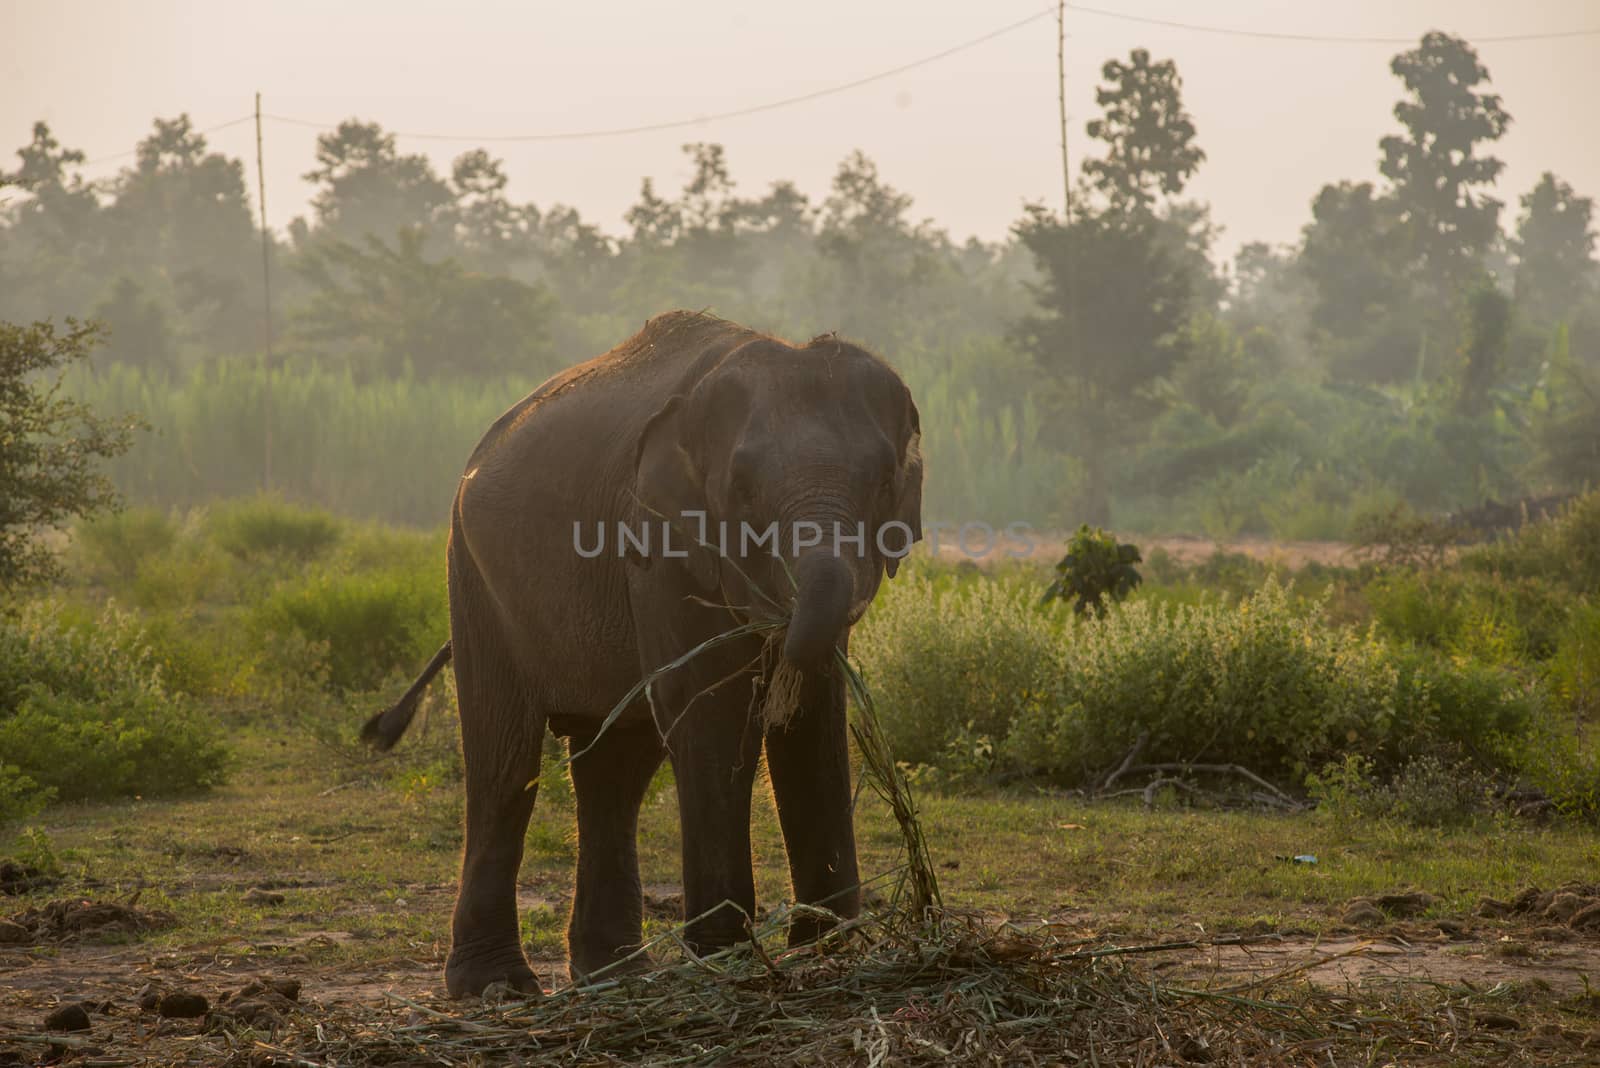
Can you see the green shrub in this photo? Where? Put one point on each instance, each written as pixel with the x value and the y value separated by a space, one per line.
pixel 267 526
pixel 20 796
pixel 1563 550
pixel 84 714
pixel 1500 618
pixel 366 625
pixel 1425 792
pixel 1261 683
pixel 952 667
pixel 1574 672
pixel 112 546
pixel 1094 569
pixel 1456 708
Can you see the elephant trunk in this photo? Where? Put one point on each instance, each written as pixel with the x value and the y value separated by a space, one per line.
pixel 824 591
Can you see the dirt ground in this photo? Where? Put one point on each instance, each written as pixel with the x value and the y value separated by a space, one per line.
pixel 1047 548
pixel 111 980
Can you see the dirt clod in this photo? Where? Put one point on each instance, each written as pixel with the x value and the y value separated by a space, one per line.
pixel 17 878
pixel 182 1005
pixel 288 989
pixel 1362 913
pixel 65 919
pixel 70 1017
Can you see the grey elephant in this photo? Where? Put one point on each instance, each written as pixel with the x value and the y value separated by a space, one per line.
pixel 602 529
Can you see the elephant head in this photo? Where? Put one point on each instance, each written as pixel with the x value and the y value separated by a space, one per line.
pixel 793 478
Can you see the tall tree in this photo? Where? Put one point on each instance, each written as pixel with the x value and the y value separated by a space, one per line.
pixel 490 231
pixel 1437 166
pixel 1486 331
pixel 1554 247
pixel 181 223
pixel 368 187
pixel 52 231
pixel 1353 255
pixel 875 258
pixel 1113 300
pixel 388 309
pixel 50 445
pixel 1149 138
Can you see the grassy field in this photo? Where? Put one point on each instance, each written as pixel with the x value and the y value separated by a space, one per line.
pixel 1444 919
pixel 339 872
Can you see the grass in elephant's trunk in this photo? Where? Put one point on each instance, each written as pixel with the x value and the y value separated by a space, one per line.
pixel 917 891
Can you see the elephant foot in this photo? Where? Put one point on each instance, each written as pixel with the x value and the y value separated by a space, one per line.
pixel 470 974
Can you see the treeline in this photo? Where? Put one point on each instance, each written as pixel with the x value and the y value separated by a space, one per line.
pixel 1421 342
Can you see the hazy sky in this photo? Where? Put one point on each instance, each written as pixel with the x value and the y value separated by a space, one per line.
pixel 972 137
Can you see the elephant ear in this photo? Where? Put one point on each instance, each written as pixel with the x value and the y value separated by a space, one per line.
pixel 666 484
pixel 908 489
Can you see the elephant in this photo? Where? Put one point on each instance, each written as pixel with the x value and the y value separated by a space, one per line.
pixel 695 424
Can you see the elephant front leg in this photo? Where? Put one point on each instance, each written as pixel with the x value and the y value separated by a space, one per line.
pixel 714 749
pixel 809 761
pixel 609 780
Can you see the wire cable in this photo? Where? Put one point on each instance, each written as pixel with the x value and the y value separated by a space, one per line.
pixel 135 151
pixel 675 124
pixel 1270 35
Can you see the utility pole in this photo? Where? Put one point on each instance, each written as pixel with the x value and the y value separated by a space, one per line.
pixel 266 293
pixel 1061 100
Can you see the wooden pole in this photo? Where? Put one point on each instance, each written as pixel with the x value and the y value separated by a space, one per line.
pixel 266 293
pixel 1061 100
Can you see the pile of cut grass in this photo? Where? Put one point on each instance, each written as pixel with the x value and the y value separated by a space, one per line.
pixel 951 989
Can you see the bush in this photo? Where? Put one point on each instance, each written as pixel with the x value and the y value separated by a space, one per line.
pixel 113 546
pixel 1575 666
pixel 951 669
pixel 1262 683
pixel 364 625
pixel 1425 792
pixel 1094 569
pixel 1493 617
pixel 1456 708
pixel 267 526
pixel 1563 550
pixel 84 715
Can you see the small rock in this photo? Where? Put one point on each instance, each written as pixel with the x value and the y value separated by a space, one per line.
pixel 182 1005
pixel 73 1017
pixel 1588 916
pixel 259 896
pixel 13 934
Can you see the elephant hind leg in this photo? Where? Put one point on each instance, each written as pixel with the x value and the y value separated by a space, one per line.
pixel 609 782
pixel 502 733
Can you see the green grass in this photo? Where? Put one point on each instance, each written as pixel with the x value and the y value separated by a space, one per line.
pixel 367 863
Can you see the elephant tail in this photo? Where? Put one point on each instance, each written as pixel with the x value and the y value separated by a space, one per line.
pixel 384 730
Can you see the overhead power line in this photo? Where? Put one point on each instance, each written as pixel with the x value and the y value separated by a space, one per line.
pixel 1323 38
pixel 135 151
pixel 817 94
pixel 771 105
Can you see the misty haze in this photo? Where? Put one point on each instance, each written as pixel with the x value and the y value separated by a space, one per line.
pixel 1261 345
